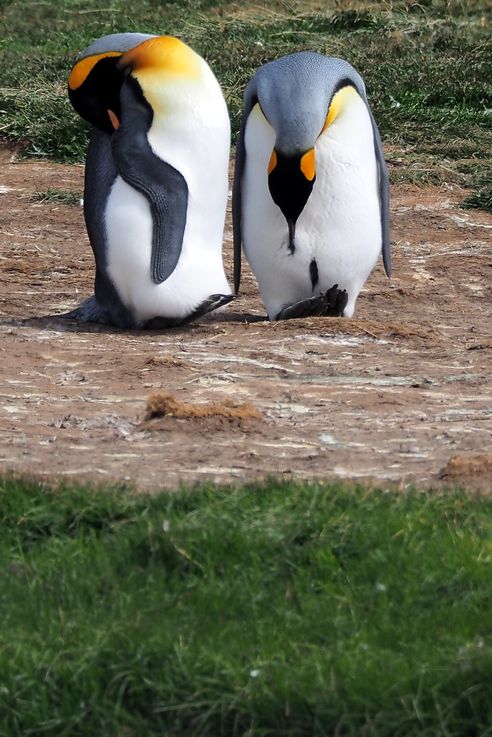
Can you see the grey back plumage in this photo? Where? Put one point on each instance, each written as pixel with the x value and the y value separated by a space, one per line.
pixel 294 93
pixel 114 42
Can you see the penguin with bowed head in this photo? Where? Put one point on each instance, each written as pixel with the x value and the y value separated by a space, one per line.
pixel 311 193
pixel 156 180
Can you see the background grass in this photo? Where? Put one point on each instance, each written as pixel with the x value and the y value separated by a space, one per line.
pixel 427 66
pixel 274 610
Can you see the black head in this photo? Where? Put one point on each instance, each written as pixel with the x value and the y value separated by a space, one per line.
pixel 94 89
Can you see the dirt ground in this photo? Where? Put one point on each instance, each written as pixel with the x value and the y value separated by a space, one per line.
pixel 400 394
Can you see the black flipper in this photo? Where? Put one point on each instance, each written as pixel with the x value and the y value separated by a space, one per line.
pixel 328 304
pixel 161 184
pixel 383 195
pixel 106 306
pixel 208 305
pixel 249 103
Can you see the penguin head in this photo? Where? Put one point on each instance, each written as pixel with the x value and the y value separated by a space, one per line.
pixel 96 80
pixel 300 95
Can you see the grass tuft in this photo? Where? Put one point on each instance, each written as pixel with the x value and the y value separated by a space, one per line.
pixel 58 196
pixel 273 610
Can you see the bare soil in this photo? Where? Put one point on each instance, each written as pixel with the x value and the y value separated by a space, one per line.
pixel 401 394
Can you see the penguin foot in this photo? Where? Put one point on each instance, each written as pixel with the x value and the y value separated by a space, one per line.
pixel 328 304
pixel 89 311
pixel 208 305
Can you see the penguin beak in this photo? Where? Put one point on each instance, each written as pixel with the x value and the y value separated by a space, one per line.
pixel 308 165
pixel 290 181
pixel 114 119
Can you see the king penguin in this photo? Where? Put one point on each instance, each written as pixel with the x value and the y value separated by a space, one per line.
pixel 311 194
pixel 156 180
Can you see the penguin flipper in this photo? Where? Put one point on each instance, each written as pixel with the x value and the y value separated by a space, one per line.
pixel 162 185
pixel 383 185
pixel 208 305
pixel 328 304
pixel 106 306
pixel 250 101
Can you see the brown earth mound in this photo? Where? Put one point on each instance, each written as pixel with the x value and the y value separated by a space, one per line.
pixel 223 415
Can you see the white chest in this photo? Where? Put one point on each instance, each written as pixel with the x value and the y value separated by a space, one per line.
pixel 340 225
pixel 197 145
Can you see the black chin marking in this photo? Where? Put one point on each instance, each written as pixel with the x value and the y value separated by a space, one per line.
pixel 313 273
pixel 290 190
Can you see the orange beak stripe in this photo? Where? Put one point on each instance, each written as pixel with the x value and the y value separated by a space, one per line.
pixel 308 165
pixel 273 162
pixel 114 119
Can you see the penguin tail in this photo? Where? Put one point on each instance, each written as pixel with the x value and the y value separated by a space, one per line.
pixel 210 304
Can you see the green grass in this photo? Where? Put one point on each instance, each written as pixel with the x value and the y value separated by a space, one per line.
pixel 427 66
pixel 282 610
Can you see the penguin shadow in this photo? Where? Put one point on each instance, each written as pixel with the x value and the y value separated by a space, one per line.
pixel 61 323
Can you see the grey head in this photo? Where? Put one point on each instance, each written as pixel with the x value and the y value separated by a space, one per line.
pixel 114 42
pixel 294 94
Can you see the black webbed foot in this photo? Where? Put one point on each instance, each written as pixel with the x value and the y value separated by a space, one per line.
pixel 92 311
pixel 328 304
pixel 208 305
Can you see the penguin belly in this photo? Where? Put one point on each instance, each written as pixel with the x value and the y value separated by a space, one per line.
pixel 198 148
pixel 340 226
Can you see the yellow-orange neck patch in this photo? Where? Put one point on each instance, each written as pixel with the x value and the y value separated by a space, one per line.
pixel 273 162
pixel 84 67
pixel 163 54
pixel 338 102
pixel 308 165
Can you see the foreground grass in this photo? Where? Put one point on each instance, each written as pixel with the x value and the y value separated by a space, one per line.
pixel 427 66
pixel 280 610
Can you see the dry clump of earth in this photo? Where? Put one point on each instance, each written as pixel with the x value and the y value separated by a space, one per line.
pixel 398 395
pixel 219 415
